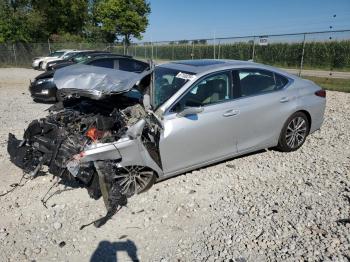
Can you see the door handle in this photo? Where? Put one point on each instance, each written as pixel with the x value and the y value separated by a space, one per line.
pixel 231 112
pixel 284 99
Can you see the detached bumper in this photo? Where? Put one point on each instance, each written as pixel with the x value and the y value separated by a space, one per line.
pixel 20 154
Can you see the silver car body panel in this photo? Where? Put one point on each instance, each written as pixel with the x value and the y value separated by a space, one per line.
pixel 257 125
pixel 130 152
pixel 97 82
pixel 191 142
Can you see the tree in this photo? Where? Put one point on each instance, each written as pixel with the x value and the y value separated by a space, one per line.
pixel 125 18
pixel 36 20
pixel 62 16
pixel 17 23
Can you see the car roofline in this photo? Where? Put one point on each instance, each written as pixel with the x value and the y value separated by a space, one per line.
pixel 225 64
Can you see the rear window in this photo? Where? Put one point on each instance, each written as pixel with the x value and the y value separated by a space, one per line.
pixel 257 81
pixel 56 54
pixel 132 65
pixel 107 63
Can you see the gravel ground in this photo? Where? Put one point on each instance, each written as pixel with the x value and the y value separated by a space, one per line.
pixel 265 206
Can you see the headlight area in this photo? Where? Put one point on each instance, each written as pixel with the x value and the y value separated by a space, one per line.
pixel 44 92
pixel 45 80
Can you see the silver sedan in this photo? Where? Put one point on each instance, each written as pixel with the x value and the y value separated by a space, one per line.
pixel 211 110
pixel 194 113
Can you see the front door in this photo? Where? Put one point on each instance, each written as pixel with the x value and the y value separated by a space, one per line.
pixel 191 140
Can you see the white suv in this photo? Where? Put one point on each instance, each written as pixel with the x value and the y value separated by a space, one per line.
pixel 39 62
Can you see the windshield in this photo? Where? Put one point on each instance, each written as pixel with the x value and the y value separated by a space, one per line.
pixel 57 53
pixel 69 55
pixel 168 82
pixel 81 58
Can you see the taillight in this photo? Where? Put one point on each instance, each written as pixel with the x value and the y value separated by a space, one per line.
pixel 321 93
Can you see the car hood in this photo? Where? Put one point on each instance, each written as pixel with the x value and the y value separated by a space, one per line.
pixel 48 74
pixel 97 82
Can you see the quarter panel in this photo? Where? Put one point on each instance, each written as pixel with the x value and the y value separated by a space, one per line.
pixel 262 117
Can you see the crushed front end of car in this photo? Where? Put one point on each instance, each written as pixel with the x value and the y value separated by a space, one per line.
pixel 100 136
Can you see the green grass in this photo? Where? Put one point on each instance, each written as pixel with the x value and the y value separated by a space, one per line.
pixel 334 84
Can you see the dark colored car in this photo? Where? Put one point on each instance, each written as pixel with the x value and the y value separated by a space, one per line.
pixel 74 58
pixel 43 88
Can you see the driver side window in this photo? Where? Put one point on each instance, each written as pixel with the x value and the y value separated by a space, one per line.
pixel 211 90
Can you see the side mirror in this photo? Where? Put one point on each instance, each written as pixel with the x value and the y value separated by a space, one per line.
pixel 190 111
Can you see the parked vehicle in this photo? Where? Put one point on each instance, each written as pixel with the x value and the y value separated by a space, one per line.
pixel 194 113
pixel 43 88
pixel 38 61
pixel 72 59
pixel 67 55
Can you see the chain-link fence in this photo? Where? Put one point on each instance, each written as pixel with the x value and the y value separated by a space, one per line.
pixel 327 50
pixel 22 54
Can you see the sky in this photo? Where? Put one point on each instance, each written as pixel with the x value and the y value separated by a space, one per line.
pixel 197 19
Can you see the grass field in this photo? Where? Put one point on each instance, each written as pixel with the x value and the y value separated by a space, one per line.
pixel 335 84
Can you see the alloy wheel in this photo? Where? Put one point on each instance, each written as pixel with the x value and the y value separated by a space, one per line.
pixel 133 179
pixel 296 132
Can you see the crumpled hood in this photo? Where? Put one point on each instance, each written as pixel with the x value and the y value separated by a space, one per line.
pixel 95 82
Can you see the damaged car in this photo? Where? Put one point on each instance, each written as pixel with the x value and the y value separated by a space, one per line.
pixel 43 88
pixel 192 113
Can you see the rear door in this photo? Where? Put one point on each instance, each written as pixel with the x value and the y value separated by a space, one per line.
pixel 264 106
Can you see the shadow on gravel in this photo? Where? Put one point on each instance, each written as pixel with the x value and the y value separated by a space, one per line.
pixel 107 251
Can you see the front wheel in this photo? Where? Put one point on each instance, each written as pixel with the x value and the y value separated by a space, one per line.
pixel 294 132
pixel 134 179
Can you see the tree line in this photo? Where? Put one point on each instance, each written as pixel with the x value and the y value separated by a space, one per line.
pixel 105 21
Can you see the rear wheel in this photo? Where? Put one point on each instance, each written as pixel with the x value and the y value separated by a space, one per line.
pixel 134 179
pixel 294 132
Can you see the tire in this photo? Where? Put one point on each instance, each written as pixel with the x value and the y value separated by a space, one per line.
pixel 294 132
pixel 144 179
pixel 39 66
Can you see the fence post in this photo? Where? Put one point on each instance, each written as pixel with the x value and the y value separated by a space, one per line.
pixel 192 52
pixel 219 47
pixel 253 54
pixel 172 55
pixel 14 53
pixel 152 51
pixel 48 42
pixel 214 45
pixel 302 56
pixel 156 51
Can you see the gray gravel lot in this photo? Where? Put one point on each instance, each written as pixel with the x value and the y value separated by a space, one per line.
pixel 265 206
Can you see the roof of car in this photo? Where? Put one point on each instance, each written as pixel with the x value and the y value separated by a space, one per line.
pixel 107 55
pixel 65 50
pixel 203 65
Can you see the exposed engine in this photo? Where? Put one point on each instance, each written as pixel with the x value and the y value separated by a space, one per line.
pixel 55 141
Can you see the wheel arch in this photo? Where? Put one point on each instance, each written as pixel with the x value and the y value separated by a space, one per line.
pixel 308 115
